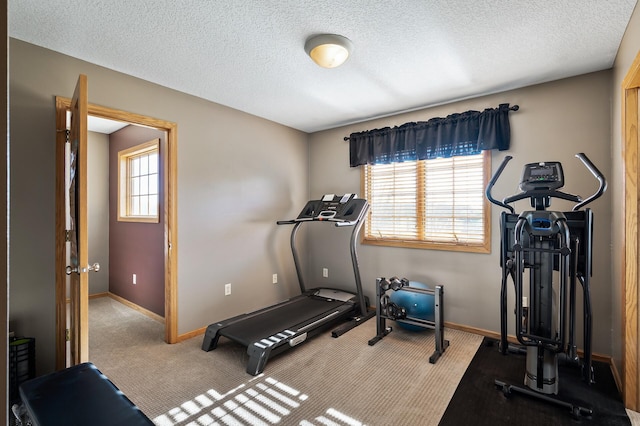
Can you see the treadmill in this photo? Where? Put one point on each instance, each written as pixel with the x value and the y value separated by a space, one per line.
pixel 272 330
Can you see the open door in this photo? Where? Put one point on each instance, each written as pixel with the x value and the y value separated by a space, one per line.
pixel 78 254
pixel 71 152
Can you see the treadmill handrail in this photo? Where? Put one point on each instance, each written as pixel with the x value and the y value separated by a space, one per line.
pixel 338 222
pixel 357 223
pixel 347 223
pixel 354 260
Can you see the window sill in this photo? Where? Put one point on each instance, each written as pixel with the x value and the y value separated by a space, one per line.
pixel 469 248
pixel 141 219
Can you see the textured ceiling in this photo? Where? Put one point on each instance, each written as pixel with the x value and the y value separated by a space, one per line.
pixel 249 54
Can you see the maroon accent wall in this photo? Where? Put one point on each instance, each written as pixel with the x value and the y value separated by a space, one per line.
pixel 135 248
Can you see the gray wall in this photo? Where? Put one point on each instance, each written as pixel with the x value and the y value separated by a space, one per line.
pixel 629 49
pixel 98 209
pixel 237 175
pixel 555 121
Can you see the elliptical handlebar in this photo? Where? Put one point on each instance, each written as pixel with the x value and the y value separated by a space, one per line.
pixel 493 181
pixel 598 175
pixel 542 193
pixel 505 203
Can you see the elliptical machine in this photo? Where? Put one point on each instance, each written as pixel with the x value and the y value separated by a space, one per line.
pixel 556 248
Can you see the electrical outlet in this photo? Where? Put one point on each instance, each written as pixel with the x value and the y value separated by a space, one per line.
pixel 134 279
pixel 275 278
pixel 227 289
pixel 325 272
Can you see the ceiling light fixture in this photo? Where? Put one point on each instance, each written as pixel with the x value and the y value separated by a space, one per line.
pixel 328 50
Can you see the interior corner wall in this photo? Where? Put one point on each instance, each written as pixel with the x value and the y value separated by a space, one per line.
pixel 135 247
pixel 4 189
pixel 556 120
pixel 98 210
pixel 237 174
pixel 629 49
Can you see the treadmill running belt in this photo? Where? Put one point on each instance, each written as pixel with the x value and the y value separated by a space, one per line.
pixel 289 316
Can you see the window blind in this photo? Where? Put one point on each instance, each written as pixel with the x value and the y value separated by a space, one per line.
pixel 438 201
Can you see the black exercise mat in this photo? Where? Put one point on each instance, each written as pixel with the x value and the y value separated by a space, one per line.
pixel 478 401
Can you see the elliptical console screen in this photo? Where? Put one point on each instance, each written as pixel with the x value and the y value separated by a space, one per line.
pixel 546 176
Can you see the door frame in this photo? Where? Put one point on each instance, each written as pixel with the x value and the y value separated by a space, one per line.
pixel 170 210
pixel 631 240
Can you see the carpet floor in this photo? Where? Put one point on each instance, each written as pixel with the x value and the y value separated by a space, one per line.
pixel 325 381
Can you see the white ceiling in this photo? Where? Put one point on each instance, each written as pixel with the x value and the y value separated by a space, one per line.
pixel 408 54
pixel 102 125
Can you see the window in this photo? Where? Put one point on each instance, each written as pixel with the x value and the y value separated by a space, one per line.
pixel 138 183
pixel 432 204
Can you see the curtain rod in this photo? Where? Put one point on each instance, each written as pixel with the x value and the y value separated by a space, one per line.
pixel 511 108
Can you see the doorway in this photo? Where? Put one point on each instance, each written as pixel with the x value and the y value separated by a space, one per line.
pixel 169 210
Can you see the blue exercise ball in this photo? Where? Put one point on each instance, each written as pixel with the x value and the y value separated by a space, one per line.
pixel 417 305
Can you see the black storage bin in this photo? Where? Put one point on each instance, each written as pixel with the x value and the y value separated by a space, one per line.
pixel 22 365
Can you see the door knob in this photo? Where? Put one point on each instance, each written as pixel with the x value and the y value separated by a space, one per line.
pixel 95 268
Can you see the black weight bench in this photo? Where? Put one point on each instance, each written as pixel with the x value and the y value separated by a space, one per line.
pixel 79 395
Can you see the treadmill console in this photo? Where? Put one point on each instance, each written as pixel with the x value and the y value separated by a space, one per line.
pixel 336 208
pixel 545 176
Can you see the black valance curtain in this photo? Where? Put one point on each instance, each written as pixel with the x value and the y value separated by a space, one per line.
pixel 466 133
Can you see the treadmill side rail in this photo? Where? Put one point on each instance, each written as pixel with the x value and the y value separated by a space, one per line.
pixel 212 334
pixel 259 352
pixel 258 356
pixel 211 337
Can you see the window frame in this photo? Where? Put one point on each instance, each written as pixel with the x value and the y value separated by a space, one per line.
pixel 482 247
pixel 124 179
